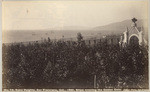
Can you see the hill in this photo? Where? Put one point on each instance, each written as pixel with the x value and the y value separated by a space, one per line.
pixel 120 27
pixel 70 32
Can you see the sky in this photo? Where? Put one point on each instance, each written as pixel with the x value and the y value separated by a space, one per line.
pixel 45 15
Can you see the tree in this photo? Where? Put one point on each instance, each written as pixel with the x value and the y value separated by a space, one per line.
pixel 79 37
pixel 49 39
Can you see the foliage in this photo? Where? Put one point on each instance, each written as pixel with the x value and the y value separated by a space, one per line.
pixel 64 65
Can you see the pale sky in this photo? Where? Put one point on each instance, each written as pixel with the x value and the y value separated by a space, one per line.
pixel 52 14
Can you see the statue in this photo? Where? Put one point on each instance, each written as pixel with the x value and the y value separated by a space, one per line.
pixel 134 22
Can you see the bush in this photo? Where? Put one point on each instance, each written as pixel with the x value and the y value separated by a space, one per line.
pixel 62 65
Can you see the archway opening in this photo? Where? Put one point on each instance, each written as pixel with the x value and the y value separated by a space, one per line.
pixel 134 41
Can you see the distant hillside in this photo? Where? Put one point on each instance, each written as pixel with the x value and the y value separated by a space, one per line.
pixel 70 32
pixel 119 27
pixel 71 28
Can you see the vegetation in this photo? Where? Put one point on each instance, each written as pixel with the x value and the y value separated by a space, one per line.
pixel 71 65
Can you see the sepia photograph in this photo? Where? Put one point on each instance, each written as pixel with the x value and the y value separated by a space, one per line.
pixel 75 45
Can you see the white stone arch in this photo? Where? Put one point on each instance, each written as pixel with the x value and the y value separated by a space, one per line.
pixel 132 36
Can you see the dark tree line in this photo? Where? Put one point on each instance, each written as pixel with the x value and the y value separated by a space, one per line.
pixel 65 65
